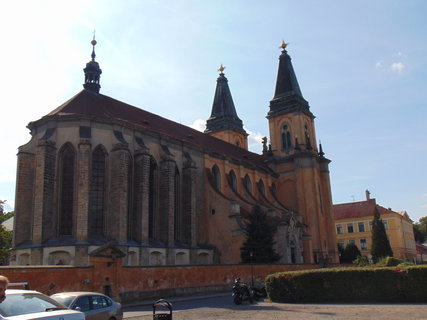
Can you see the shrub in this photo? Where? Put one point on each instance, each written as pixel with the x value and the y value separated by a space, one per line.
pixel 389 284
pixel 361 261
pixel 388 262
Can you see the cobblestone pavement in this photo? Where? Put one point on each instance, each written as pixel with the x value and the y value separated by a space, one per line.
pixel 267 310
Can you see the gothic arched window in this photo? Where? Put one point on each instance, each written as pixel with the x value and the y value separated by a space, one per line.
pixel 261 187
pixel 66 201
pixel 216 177
pixel 97 193
pixel 233 180
pixel 248 184
pixel 286 137
pixel 152 200
pixel 177 208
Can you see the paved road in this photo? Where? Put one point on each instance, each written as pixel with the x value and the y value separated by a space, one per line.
pixel 222 308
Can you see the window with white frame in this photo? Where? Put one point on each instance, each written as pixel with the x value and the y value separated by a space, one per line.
pixel 361 226
pixel 350 228
pixel 352 241
pixel 385 224
pixel 339 228
pixel 363 244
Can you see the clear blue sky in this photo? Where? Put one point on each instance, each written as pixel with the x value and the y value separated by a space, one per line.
pixel 362 65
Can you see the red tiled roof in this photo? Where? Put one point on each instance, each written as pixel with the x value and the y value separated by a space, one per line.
pixel 358 209
pixel 421 248
pixel 101 106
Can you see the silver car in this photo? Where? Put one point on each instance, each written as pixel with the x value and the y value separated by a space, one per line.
pixel 96 306
pixel 29 304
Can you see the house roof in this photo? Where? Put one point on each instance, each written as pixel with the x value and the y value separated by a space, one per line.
pixel 358 209
pixel 100 106
pixel 421 248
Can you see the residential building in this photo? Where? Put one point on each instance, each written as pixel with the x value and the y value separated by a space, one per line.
pixel 353 224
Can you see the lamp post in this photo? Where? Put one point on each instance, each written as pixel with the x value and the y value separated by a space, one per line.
pixel 252 268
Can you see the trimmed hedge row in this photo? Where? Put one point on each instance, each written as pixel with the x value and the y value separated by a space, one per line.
pixel 390 284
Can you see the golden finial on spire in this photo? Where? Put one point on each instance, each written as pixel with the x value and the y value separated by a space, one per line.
pixel 93 42
pixel 221 68
pixel 283 45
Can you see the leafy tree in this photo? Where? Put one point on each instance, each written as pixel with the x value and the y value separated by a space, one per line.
pixel 6 216
pixel 5 244
pixel 350 253
pixel 420 230
pixel 259 239
pixel 380 245
pixel 418 234
pixel 2 202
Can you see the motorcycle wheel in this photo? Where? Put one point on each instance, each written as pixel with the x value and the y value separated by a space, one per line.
pixel 237 299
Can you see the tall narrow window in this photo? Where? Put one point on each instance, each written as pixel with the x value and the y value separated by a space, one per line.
pixel 216 177
pixel 261 187
pixel 286 138
pixel 97 193
pixel 67 191
pixel 233 180
pixel 152 200
pixel 177 207
pixel 248 184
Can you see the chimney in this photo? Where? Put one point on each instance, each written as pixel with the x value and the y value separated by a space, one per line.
pixel 368 195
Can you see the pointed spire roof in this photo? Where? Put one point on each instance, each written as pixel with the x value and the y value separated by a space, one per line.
pixel 223 113
pixel 92 72
pixel 287 96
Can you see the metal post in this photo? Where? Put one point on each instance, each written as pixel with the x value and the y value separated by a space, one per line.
pixel 252 269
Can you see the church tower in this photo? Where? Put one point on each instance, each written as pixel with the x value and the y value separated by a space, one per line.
pixel 224 123
pixel 303 170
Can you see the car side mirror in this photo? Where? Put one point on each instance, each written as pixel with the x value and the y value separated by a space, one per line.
pixel 78 308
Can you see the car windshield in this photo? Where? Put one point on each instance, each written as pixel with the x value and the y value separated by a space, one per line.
pixel 23 303
pixel 63 299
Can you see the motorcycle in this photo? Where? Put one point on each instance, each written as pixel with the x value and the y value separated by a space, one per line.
pixel 242 292
pixel 259 291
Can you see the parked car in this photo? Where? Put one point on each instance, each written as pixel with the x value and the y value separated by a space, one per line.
pixel 96 306
pixel 29 304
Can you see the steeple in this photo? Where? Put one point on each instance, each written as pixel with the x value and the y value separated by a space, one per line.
pixel 92 72
pixel 223 113
pixel 287 96
pixel 224 120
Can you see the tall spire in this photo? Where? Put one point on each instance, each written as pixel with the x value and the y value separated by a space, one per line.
pixel 223 115
pixel 287 96
pixel 92 71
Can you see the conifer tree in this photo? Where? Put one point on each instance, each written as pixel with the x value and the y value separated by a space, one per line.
pixel 350 253
pixel 380 245
pixel 259 239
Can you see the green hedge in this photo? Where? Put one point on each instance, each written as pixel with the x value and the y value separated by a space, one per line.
pixel 391 284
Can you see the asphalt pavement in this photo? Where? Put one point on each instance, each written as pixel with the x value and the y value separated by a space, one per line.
pixel 220 306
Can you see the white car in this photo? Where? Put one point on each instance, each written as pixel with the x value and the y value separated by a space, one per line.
pixel 29 304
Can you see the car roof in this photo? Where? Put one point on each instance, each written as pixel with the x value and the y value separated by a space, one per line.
pixel 19 291
pixel 78 293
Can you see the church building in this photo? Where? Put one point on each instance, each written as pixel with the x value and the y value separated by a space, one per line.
pixel 99 172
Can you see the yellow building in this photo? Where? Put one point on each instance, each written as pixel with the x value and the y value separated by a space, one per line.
pixel 353 223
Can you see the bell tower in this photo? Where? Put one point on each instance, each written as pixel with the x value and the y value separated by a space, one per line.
pixel 224 123
pixel 291 122
pixel 92 72
pixel 304 184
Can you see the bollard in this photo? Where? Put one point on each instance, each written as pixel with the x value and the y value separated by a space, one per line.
pixel 162 316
